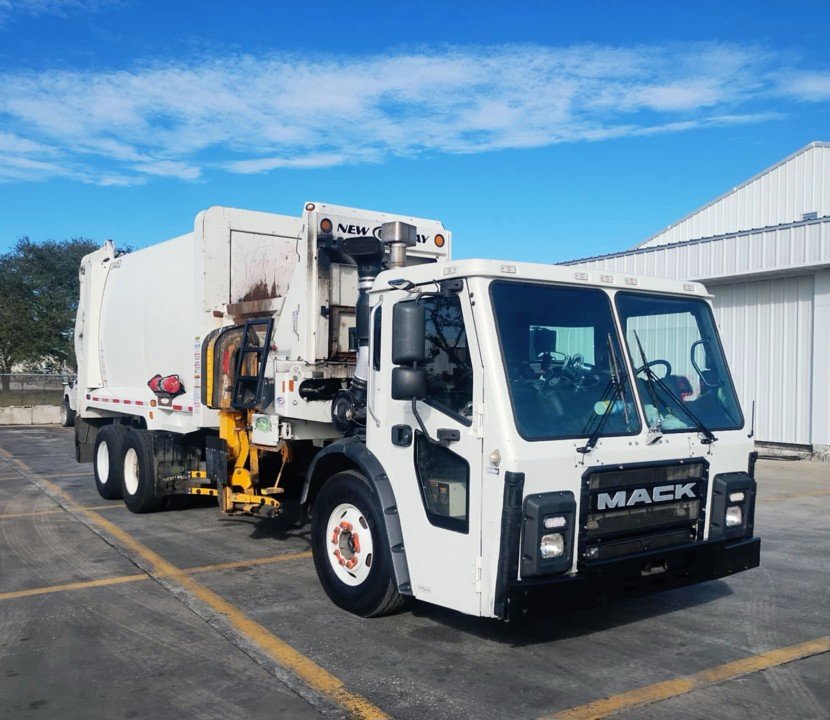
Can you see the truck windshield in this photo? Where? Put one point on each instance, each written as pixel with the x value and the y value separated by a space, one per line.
pixel 563 361
pixel 682 347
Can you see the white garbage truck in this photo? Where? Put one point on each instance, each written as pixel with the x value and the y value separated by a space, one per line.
pixel 471 433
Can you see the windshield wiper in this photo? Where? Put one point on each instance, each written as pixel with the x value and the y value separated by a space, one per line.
pixel 652 380
pixel 616 383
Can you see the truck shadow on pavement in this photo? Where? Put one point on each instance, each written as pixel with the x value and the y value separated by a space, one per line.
pixel 543 625
pixel 288 526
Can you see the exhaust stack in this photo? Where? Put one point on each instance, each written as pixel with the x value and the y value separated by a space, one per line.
pixel 348 409
pixel 398 236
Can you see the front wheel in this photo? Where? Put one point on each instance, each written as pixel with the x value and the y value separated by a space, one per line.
pixel 67 418
pixel 351 554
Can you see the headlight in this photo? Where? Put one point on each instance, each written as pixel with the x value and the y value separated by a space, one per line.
pixel 552 546
pixel 734 516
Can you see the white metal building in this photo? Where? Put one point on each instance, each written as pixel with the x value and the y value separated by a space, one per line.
pixel 763 250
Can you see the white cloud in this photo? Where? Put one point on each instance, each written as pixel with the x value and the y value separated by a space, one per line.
pixel 168 168
pixel 34 8
pixel 808 86
pixel 249 114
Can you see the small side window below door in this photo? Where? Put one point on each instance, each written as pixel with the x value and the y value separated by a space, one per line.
pixel 444 479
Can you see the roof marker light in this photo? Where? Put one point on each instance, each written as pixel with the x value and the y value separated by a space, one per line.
pixel 581 276
pixel 439 240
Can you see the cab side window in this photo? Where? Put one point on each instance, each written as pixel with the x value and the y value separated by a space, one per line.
pixel 376 329
pixel 448 366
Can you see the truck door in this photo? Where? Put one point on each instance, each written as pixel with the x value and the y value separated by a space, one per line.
pixel 436 476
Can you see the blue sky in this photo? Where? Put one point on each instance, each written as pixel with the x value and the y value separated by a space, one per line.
pixel 536 131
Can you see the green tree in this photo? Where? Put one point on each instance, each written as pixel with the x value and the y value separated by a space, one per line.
pixel 38 302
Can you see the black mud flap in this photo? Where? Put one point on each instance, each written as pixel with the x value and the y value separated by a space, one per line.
pixel 85 434
pixel 216 460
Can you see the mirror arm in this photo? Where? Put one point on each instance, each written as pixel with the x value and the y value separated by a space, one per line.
pixel 421 423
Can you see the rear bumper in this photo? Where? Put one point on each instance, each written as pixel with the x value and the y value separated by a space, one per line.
pixel 640 574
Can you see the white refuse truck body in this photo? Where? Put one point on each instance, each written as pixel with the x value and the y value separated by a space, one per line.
pixel 146 313
pixel 475 433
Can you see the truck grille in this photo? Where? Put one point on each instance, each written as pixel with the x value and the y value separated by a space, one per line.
pixel 631 509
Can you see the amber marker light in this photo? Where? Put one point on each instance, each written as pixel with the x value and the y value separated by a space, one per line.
pixel 326 225
pixel 439 241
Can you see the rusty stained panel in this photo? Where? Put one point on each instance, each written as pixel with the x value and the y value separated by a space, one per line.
pixel 261 266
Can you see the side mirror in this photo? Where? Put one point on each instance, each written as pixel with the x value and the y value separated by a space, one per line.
pixel 409 383
pixel 408 333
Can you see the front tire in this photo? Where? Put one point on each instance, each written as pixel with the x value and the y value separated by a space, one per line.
pixel 138 473
pixel 67 418
pixel 351 552
pixel 106 461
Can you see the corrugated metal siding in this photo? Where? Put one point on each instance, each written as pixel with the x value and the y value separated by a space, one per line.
pixel 780 195
pixel 752 252
pixel 766 328
pixel 666 337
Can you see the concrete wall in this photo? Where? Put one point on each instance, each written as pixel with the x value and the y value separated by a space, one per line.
pixel 31 415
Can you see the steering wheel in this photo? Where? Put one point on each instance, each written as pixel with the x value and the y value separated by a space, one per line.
pixel 651 363
pixel 576 375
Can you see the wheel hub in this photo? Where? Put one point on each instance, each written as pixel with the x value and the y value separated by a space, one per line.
pixel 350 544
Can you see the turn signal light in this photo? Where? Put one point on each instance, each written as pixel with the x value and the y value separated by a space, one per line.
pixel 554 522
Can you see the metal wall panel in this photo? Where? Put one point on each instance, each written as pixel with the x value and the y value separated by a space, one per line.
pixel 780 195
pixel 789 248
pixel 766 327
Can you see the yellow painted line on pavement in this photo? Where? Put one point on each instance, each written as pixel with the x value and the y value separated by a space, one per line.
pixel 80 585
pixel 58 510
pixel 679 686
pixel 134 577
pixel 270 560
pixel 316 677
pixel 76 474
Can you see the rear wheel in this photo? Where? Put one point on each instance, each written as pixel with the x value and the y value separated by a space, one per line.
pixel 106 461
pixel 351 554
pixel 138 473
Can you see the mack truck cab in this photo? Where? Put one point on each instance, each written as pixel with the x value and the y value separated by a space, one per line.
pixel 534 429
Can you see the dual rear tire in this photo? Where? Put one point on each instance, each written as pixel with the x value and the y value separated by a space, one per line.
pixel 138 476
pixel 124 467
pixel 106 461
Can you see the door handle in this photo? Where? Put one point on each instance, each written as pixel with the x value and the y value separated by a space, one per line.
pixel 401 435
